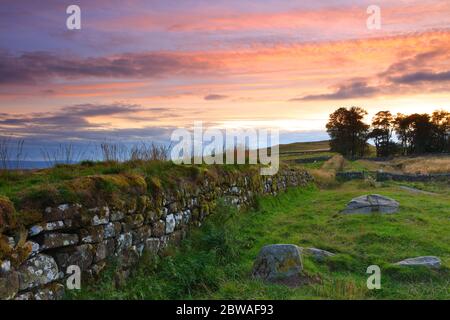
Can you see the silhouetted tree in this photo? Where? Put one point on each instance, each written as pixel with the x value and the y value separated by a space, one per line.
pixel 402 127
pixel 383 126
pixel 420 133
pixel 348 132
pixel 441 126
pixel 416 133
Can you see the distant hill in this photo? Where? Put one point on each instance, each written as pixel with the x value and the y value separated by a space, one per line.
pixel 305 147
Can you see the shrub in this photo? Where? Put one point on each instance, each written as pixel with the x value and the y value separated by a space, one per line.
pixel 323 178
pixel 6 214
pixel 336 163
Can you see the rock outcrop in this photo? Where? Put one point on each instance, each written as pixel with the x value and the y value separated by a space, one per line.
pixel 278 262
pixel 425 261
pixel 371 203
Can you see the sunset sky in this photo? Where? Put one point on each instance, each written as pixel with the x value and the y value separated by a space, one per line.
pixel 139 69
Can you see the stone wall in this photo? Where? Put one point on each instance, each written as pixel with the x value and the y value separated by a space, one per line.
pixel 312 159
pixel 351 175
pixel 383 176
pixel 35 259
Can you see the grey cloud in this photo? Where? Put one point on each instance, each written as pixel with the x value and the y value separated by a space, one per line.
pixel 73 119
pixel 402 76
pixel 29 68
pixel 91 110
pixel 347 91
pixel 417 77
pixel 215 97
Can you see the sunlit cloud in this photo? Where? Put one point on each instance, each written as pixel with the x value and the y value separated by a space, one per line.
pixel 140 68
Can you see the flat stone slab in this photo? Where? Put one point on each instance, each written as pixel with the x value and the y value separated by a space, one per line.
pixel 371 203
pixel 278 262
pixel 414 190
pixel 425 261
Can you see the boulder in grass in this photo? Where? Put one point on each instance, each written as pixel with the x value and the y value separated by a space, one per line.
pixel 426 261
pixel 371 203
pixel 278 262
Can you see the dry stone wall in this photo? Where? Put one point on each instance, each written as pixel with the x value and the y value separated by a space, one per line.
pixel 35 264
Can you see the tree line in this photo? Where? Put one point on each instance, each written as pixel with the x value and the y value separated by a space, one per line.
pixel 415 133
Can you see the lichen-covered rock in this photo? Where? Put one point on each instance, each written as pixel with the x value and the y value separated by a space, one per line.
pixel 10 241
pixel 152 215
pixel 25 296
pixel 140 249
pixel 51 292
pixel 35 248
pixel 371 203
pixel 104 250
pixel 37 271
pixel 9 285
pixel 81 256
pixel 186 216
pixel 100 216
pixel 159 228
pixel 425 261
pixel 164 243
pixel 62 212
pixel 134 221
pixel 92 234
pixel 170 223
pixel 178 219
pixel 141 234
pixel 46 226
pixel 117 216
pixel 124 242
pixel 112 229
pixel 57 240
pixel 277 262
pixel 5 266
pixel 152 245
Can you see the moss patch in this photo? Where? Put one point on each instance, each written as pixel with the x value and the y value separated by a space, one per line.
pixel 7 219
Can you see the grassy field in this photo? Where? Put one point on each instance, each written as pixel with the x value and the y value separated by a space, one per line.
pixel 428 164
pixel 315 146
pixel 215 262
